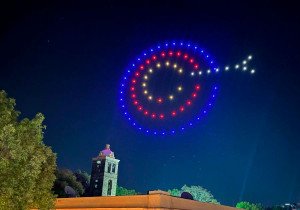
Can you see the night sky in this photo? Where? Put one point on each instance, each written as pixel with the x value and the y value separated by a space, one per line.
pixel 66 60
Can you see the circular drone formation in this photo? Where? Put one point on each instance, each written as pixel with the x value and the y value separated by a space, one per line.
pixel 169 87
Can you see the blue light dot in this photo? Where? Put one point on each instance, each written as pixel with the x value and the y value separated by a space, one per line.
pixel 213 96
pixel 202 51
pixel 181 43
pixel 198 118
pixel 173 131
pixel 122 85
pixel 204 112
pixel 216 88
pixel 123 106
pixel 133 124
pixel 145 54
pixel 209 104
pixel 125 113
pixel 129 118
pixel 155 132
pixel 140 128
pixel 211 62
pixel 125 78
pixel 121 99
pixel 151 50
pixel 191 124
pixel 188 45
pixel 138 59
pixel 182 128
pixel 147 131
pixel 166 44
pixel 207 56
pixel 128 71
pixel 174 43
pixel 196 47
pixel 158 47
pixel 163 133
pixel 133 64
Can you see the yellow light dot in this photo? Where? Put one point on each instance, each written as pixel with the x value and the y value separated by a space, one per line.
pixel 144 84
pixel 179 88
pixel 180 71
pixel 150 97
pixel 145 92
pixel 145 77
pixel 171 97
pixel 158 65
pixel 167 63
pixel 150 70
pixel 175 66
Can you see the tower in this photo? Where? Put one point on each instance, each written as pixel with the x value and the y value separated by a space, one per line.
pixel 104 174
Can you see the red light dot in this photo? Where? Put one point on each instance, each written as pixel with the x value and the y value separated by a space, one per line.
pixel 137 74
pixel 132 88
pixel 159 100
pixel 181 108
pixel 178 53
pixel 154 57
pixel 196 66
pixel 191 60
pixel 197 87
pixel 141 67
pixel 161 116
pixel 140 108
pixel 133 81
pixel 173 113
pixel 153 115
pixel 146 112
pixel 188 102
pixel 133 96
pixel 194 95
pixel 170 53
pixel 185 56
pixel 148 61
pixel 135 102
pixel 163 54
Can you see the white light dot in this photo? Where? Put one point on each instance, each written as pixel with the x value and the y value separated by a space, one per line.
pixel 192 73
pixel 237 66
pixel 249 57
pixel 208 71
pixel 226 68
pixel 244 62
pixel 252 71
pixel 200 73
pixel 217 69
pixel 244 68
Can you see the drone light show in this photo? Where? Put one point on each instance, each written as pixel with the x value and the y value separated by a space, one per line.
pixel 171 87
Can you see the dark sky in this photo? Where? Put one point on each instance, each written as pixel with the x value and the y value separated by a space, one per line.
pixel 66 60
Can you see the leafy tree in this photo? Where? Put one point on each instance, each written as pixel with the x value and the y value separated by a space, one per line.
pixel 249 206
pixel 124 191
pixel 26 164
pixel 84 178
pixel 65 177
pixel 199 193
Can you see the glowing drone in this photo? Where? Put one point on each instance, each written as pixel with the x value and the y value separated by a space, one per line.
pixel 171 87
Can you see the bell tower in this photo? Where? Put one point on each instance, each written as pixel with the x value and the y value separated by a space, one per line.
pixel 104 174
